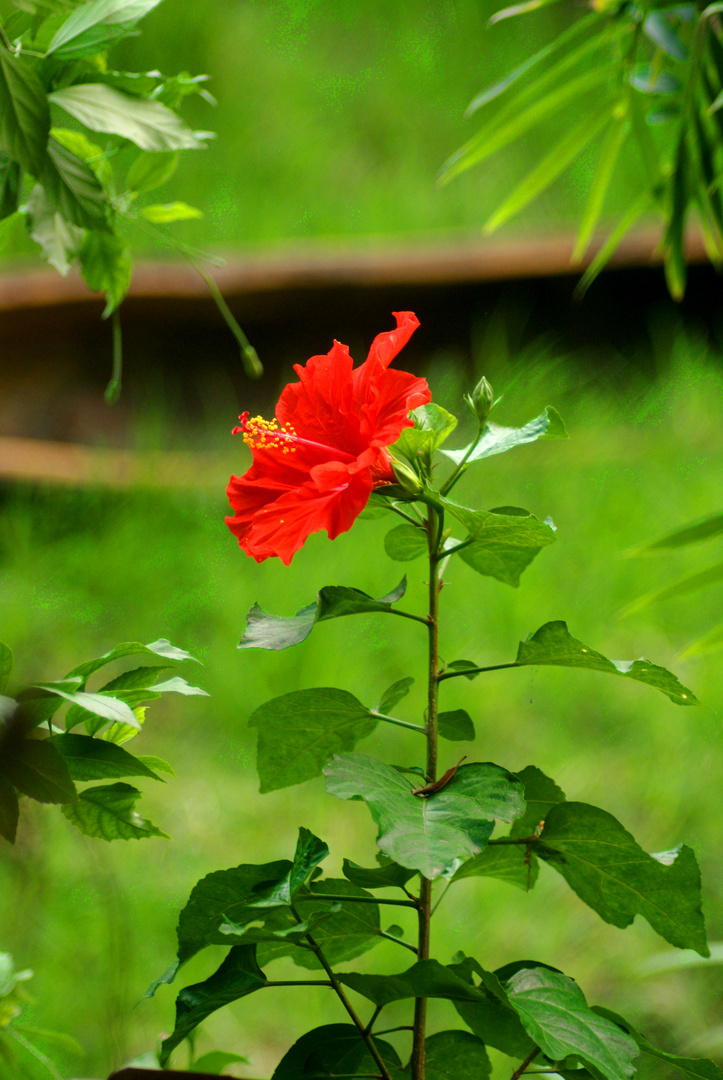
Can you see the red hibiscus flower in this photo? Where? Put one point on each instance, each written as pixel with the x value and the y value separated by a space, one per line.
pixel 316 464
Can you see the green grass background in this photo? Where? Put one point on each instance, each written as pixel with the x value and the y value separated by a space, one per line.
pixel 83 570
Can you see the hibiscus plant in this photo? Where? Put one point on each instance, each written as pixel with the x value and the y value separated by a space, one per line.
pixel 346 440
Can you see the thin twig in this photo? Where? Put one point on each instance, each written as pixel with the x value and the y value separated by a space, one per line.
pixel 528 1061
pixel 360 899
pixel 406 944
pixel 476 670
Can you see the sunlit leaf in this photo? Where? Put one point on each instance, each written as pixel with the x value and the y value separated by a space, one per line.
pixel 99 13
pixel 107 812
pixel 164 214
pixel 96 759
pixel 498 440
pixel 58 239
pixel 501 543
pixel 614 140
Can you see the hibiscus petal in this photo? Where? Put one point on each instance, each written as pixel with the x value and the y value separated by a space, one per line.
pixel 320 406
pixel 383 350
pixel 385 416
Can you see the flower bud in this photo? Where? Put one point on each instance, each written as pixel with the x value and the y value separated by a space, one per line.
pixel 406 477
pixel 481 400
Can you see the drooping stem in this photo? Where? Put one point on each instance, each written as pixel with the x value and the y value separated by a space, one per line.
pixel 435 528
pixel 339 989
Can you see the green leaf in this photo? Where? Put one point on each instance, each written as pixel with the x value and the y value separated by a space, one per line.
pixel 238 976
pixel 216 1061
pixel 98 13
pixel 501 543
pixel 136 678
pixel 394 694
pixel 616 136
pixel 711 576
pixel 148 124
pixel 709 642
pixel 96 759
pixel 497 440
pixel 541 794
pixel 264 631
pixel 662 34
pixel 150 760
pixel 9 810
pixel 649 80
pixel 96 39
pixel 432 425
pixel 454 1054
pixel 103 705
pixel 512 863
pixel 611 873
pixel 519 9
pixel 151 170
pixel 557 1018
pixel 106 811
pixel 10 180
pixel 692 533
pixel 106 266
pixel 464 665
pixel 553 644
pixel 177 685
pixel 310 851
pixel 165 213
pixel 405 542
pixel 334 1050
pixel 89 152
pixel 162 648
pixel 428 834
pixel 72 188
pixel 456 726
pixel 637 208
pixel 300 731
pixel 388 875
pixel 426 978
pixel 36 768
pixel 24 113
pixel 694 1068
pixel 6 666
pixel 58 239
pixel 552 164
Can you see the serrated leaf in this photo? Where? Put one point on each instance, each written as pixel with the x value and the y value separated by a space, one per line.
pixel 426 978
pixel 454 1054
pixel 300 731
pixel 97 759
pixel 106 266
pixel 10 180
pixel 557 1018
pixel 541 794
pixel 151 169
pixel 149 124
pixel 99 13
pixel 72 188
pixel 611 873
pixel 512 863
pixel 553 644
pixel 456 726
pixel 24 113
pixel 491 1017
pixel 238 976
pixel 165 213
pixel 6 666
pixel 428 834
pixel 334 1050
pixel 9 810
pixel 432 426
pixel 58 239
pixel 310 851
pixel 388 875
pixel 406 542
pixel 394 694
pixel 497 440
pixel 162 648
pixel 36 768
pixel 501 543
pixel 264 631
pixel 107 812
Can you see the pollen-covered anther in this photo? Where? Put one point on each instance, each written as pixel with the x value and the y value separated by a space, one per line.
pixel 260 434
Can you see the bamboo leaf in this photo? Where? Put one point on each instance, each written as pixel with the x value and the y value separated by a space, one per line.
pixel 616 136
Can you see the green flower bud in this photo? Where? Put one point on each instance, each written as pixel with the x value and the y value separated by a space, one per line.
pixel 406 477
pixel 481 400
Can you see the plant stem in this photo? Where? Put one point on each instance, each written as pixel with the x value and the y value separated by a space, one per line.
pixel 435 529
pixel 359 899
pixel 477 670
pixel 391 937
pixel 113 389
pixel 528 1061
pixel 399 723
pixel 358 1023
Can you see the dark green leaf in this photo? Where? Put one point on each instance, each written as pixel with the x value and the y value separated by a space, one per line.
pixel 406 542
pixel 72 188
pixel 394 694
pixel 264 631
pixel 512 863
pixel 497 440
pixel 310 851
pixel 557 1018
pixel 300 731
pixel 24 113
pixel 36 768
pixel 608 870
pixel 541 794
pixel 107 812
pixel 237 976
pixel 693 1068
pixel 389 874
pixel 149 124
pixel 501 543
pixel 428 834
pixel 57 238
pixel 9 810
pixel 150 170
pixel 96 759
pixel 456 726
pixel 106 266
pixel 491 1017
pixel 426 978
pixel 10 178
pixel 333 1050
pixel 452 1055
pixel 432 425
pixel 465 665
pixel 136 679
pixel 6 666
pixel 553 644
pixel 162 648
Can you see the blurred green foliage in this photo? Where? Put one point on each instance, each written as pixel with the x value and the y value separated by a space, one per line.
pixel 83 569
